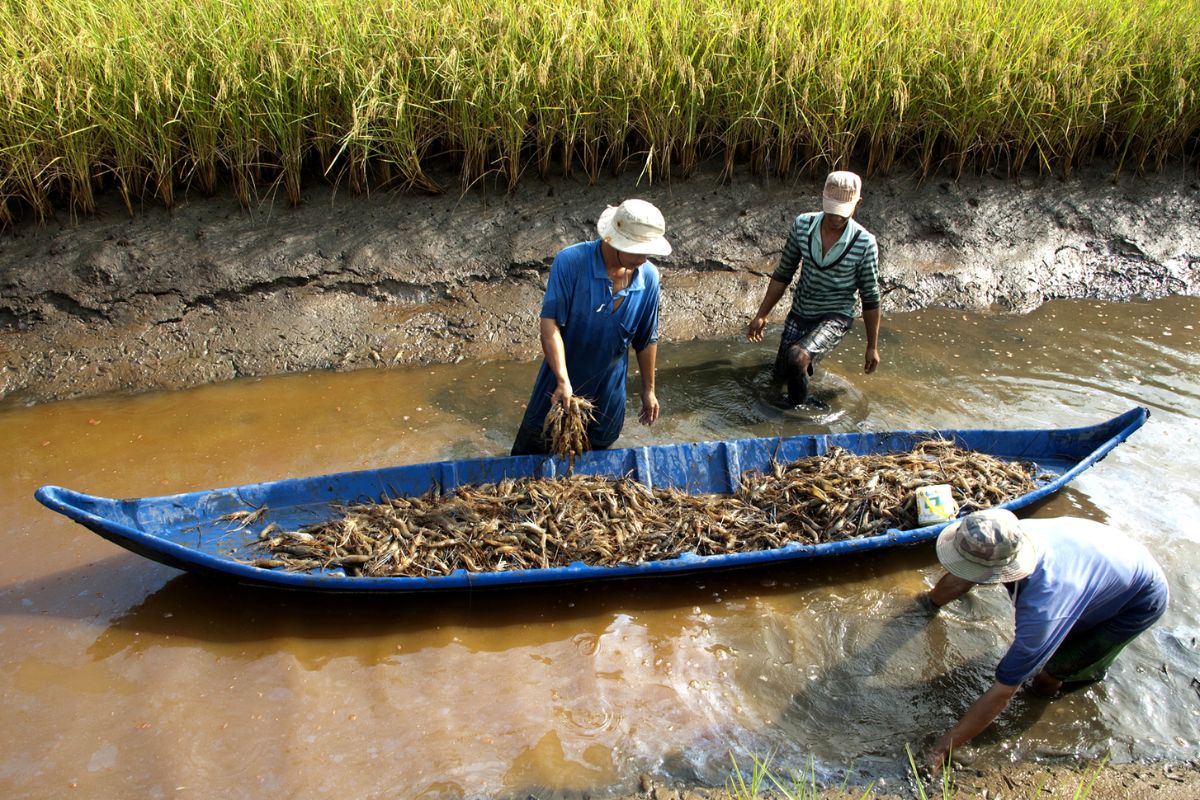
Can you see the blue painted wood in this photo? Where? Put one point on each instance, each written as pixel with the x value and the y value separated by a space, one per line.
pixel 185 531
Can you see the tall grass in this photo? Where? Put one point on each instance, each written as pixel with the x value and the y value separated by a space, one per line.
pixel 149 96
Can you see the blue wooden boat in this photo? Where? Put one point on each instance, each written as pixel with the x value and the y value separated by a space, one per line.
pixel 186 531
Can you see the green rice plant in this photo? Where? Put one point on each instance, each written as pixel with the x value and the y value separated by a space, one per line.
pixel 152 97
pixel 945 781
pixel 793 786
pixel 1083 789
pixel 762 781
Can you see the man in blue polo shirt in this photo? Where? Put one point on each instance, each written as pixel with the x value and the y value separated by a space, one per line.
pixel 1080 591
pixel 602 298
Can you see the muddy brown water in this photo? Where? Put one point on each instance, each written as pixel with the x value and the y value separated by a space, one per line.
pixel 121 677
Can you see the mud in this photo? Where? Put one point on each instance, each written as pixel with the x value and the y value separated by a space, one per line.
pixel 208 291
pixel 1022 781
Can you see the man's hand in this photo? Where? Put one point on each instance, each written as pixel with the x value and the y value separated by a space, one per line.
pixel 562 394
pixel 754 331
pixel 973 722
pixel 871 361
pixel 949 588
pixel 925 604
pixel 938 754
pixel 649 408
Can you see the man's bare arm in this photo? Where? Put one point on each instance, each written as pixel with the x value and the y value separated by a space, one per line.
pixel 775 290
pixel 975 721
pixel 556 358
pixel 871 321
pixel 647 357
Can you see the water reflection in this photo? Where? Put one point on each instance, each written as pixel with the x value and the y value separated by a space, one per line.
pixel 190 608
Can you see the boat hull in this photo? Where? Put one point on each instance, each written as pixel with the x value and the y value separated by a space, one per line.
pixel 186 531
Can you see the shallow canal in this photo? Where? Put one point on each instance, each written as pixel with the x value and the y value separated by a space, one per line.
pixel 122 678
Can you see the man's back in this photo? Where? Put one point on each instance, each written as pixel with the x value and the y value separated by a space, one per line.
pixel 1088 573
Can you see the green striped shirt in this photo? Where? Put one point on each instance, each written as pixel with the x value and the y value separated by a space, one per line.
pixel 828 282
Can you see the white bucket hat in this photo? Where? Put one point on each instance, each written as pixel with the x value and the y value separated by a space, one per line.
pixel 842 190
pixel 636 227
pixel 988 547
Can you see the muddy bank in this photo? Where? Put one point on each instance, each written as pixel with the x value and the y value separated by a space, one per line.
pixel 209 292
pixel 1020 781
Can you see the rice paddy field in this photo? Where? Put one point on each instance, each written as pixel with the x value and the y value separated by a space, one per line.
pixel 152 98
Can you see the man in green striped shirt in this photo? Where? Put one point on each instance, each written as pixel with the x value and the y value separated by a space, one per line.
pixel 836 257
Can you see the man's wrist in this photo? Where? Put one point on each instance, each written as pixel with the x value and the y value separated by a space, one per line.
pixel 926 602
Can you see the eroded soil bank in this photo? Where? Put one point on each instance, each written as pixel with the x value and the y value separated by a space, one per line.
pixel 209 292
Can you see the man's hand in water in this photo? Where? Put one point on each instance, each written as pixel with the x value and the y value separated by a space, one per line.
pixel 871 361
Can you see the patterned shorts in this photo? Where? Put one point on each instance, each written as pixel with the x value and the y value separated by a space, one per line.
pixel 819 337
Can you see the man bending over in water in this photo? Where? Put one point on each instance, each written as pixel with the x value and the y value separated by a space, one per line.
pixel 1081 591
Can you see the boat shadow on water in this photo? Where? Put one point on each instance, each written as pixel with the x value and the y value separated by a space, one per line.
pixel 189 608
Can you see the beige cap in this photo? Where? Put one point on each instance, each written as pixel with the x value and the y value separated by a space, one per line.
pixel 842 190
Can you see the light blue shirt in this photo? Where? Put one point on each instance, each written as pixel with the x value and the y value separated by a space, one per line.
pixel 1088 573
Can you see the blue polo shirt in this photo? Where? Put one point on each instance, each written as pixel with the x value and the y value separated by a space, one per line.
pixel 1089 575
pixel 596 338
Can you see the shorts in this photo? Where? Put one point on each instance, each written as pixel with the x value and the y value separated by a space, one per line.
pixel 819 337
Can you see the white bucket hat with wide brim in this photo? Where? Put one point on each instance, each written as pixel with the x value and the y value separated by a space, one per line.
pixel 635 227
pixel 988 546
